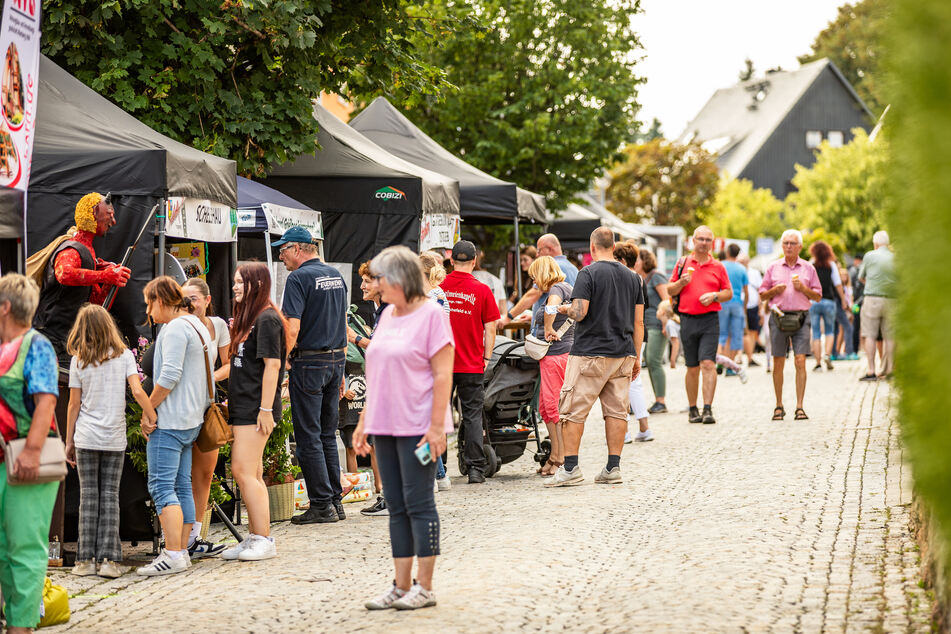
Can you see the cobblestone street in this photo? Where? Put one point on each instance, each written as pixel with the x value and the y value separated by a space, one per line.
pixel 746 525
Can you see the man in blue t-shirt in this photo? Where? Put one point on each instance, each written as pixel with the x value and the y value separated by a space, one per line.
pixel 315 304
pixel 733 312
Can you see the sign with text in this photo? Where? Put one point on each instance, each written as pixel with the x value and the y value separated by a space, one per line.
pixel 204 220
pixel 20 46
pixel 280 219
pixel 438 231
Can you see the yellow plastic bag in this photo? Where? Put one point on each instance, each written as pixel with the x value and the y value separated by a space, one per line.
pixel 55 604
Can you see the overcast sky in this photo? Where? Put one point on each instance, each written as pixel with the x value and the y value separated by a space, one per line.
pixel 693 47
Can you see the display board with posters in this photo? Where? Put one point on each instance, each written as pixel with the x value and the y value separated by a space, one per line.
pixel 205 220
pixel 439 231
pixel 191 255
pixel 20 46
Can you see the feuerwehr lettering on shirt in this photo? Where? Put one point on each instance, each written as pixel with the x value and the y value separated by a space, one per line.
pixel 328 283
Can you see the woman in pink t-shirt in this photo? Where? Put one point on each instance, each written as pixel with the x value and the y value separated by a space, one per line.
pixel 409 378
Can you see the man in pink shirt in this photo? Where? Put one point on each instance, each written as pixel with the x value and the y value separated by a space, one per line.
pixel 790 285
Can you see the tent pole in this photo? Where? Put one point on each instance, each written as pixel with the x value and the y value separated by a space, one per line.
pixel 518 261
pixel 270 264
pixel 161 238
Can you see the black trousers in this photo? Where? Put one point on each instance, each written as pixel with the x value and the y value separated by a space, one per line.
pixel 471 396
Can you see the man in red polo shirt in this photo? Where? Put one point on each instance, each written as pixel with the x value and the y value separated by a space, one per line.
pixel 702 284
pixel 472 315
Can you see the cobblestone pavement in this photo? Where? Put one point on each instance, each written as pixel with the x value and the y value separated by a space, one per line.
pixel 746 525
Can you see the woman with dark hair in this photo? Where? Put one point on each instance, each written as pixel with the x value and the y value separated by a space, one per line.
pixel 408 419
pixel 525 259
pixel 258 353
pixel 656 283
pixel 180 398
pixel 823 312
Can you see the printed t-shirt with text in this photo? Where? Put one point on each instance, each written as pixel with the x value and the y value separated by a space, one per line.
pixel 471 306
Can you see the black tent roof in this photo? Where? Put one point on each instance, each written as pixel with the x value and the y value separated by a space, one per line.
pixel 86 143
pixel 482 196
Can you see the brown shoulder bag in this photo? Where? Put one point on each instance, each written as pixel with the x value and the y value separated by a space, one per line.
pixel 215 431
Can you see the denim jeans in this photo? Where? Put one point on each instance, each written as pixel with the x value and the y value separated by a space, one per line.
pixel 844 328
pixel 169 453
pixel 315 398
pixel 732 323
pixel 414 522
pixel 440 468
pixel 822 314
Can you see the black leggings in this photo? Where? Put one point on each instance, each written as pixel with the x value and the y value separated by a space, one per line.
pixel 408 491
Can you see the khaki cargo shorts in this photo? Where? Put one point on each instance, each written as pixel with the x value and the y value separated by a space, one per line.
pixel 876 316
pixel 590 378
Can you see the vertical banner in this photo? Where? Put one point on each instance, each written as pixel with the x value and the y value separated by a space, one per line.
pixel 20 47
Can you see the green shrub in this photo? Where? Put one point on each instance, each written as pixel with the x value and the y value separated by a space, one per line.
pixel 919 131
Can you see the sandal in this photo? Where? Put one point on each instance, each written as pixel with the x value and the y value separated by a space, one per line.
pixel 801 414
pixel 779 413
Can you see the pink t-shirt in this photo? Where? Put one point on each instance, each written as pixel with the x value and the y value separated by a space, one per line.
pixel 399 375
pixel 781 273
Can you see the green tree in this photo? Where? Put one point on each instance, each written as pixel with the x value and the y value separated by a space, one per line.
pixel 853 41
pixel 236 78
pixel 663 183
pixel 546 89
pixel 739 211
pixel 748 70
pixel 844 192
pixel 651 133
pixel 920 135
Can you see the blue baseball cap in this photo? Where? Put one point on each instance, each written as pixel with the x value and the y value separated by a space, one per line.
pixel 294 234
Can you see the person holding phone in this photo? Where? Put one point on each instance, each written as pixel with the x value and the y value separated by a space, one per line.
pixel 408 420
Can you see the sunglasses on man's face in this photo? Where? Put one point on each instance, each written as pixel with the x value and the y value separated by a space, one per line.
pixel 286 247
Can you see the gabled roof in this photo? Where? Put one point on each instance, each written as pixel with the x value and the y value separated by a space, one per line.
pixel 728 126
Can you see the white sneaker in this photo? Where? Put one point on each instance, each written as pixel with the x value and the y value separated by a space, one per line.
pixel 609 477
pixel 443 484
pixel 84 568
pixel 416 598
pixel 565 478
pixel 164 565
pixel 744 377
pixel 644 436
pixel 259 548
pixel 385 600
pixel 232 553
pixel 627 438
pixel 109 569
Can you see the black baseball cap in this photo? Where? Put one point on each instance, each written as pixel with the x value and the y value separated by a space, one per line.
pixel 463 251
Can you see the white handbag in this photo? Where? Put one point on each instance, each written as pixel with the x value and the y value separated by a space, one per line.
pixel 537 348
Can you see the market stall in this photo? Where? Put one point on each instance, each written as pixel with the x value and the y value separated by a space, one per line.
pixel 483 199
pixel 264 212
pixel 369 199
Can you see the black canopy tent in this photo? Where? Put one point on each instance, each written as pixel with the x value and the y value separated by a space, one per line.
pixel 11 227
pixel 86 143
pixel 368 198
pixel 483 199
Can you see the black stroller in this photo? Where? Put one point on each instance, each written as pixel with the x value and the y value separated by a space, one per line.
pixel 510 408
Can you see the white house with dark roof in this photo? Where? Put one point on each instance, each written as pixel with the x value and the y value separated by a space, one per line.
pixel 761 128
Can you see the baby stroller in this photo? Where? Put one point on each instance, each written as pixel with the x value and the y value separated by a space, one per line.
pixel 510 408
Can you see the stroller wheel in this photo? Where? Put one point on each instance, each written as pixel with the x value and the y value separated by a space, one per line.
pixel 491 460
pixel 545 447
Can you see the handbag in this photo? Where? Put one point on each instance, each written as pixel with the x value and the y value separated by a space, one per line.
pixel 52 459
pixel 215 432
pixel 537 348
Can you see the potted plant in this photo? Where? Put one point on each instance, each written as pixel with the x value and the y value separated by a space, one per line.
pixel 279 472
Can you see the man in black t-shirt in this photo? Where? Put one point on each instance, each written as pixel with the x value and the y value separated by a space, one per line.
pixel 315 304
pixel 607 304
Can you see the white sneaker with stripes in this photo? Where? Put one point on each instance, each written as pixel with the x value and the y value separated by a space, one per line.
pixel 164 565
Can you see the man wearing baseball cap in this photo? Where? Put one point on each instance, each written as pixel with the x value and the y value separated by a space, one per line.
pixel 315 304
pixel 473 314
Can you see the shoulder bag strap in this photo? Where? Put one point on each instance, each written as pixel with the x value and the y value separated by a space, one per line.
pixel 565 326
pixel 204 346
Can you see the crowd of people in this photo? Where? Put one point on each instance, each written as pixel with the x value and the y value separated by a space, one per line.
pixel 386 388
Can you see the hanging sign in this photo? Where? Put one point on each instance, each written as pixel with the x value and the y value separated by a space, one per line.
pixel 20 47
pixel 203 220
pixel 438 231
pixel 191 255
pixel 280 219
